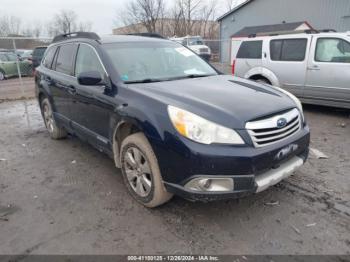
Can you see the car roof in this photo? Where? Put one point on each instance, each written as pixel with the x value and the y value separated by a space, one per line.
pixel 129 38
pixel 114 39
pixel 288 36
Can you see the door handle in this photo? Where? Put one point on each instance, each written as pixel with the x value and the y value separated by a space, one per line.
pixel 314 67
pixel 72 90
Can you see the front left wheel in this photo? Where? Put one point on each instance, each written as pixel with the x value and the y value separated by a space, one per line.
pixel 141 171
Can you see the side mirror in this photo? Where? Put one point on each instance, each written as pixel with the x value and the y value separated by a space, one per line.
pixel 91 78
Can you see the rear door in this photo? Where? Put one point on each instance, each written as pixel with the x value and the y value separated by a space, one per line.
pixel 248 56
pixel 328 75
pixel 62 80
pixel 288 61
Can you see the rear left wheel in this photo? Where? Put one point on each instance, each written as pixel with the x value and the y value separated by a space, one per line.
pixel 55 131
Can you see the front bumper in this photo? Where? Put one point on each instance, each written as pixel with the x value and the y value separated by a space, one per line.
pixel 252 169
pixel 244 185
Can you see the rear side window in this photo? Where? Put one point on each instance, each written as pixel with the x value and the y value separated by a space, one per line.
pixel 49 57
pixel 65 58
pixel 250 50
pixel 288 49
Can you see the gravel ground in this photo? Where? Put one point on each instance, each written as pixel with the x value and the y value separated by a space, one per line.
pixel 11 89
pixel 64 197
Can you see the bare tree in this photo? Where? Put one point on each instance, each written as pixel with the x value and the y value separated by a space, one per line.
pixel 34 30
pixel 148 13
pixel 10 25
pixel 85 26
pixel 208 15
pixel 64 22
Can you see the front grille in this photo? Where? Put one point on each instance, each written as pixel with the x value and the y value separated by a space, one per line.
pixel 203 50
pixel 266 131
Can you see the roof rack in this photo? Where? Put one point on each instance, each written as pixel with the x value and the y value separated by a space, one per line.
pixel 328 31
pixel 155 35
pixel 89 35
pixel 308 31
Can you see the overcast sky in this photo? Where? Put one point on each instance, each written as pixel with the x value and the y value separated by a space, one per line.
pixel 101 13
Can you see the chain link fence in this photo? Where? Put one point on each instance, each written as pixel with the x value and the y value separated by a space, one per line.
pixel 18 58
pixel 220 54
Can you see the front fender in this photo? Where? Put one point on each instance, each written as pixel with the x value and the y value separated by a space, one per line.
pixel 263 72
pixel 146 119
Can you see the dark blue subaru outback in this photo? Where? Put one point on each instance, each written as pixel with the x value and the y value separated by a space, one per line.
pixel 170 121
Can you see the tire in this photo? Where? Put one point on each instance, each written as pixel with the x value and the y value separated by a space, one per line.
pixel 2 75
pixel 50 123
pixel 141 172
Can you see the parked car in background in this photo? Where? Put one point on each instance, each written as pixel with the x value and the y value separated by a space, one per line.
pixel 37 56
pixel 314 67
pixel 196 44
pixel 170 121
pixel 24 54
pixel 8 66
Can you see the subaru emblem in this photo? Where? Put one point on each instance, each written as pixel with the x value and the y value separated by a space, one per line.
pixel 282 122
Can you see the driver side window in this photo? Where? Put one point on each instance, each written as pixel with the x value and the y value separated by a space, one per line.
pixel 333 50
pixel 87 61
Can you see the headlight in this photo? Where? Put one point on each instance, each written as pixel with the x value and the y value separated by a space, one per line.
pixel 201 130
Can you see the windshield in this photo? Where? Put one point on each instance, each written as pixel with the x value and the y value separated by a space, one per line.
pixel 156 61
pixel 195 41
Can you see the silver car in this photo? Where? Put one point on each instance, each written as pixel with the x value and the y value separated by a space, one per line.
pixel 314 67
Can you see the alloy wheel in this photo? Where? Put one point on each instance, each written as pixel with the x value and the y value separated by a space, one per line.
pixel 138 171
pixel 48 118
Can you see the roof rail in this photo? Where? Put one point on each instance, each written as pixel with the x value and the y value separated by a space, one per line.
pixel 328 31
pixel 62 37
pixel 155 35
pixel 308 31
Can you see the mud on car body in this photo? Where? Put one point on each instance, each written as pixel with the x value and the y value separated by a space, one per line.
pixel 170 121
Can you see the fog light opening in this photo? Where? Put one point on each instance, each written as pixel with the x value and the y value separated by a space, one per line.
pixel 211 184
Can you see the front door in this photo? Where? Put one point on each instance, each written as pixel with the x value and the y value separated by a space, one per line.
pixel 328 74
pixel 92 105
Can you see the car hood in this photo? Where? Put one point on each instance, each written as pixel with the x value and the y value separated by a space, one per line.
pixel 223 99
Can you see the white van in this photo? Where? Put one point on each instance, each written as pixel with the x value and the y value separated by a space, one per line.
pixel 314 67
pixel 196 44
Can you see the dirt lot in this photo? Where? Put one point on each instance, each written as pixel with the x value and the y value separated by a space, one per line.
pixel 11 89
pixel 64 197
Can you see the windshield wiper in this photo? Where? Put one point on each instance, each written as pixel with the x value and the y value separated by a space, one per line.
pixel 146 80
pixel 193 76
pixel 197 75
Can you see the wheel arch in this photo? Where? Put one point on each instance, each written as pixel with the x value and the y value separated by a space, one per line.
pixel 123 129
pixel 262 72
